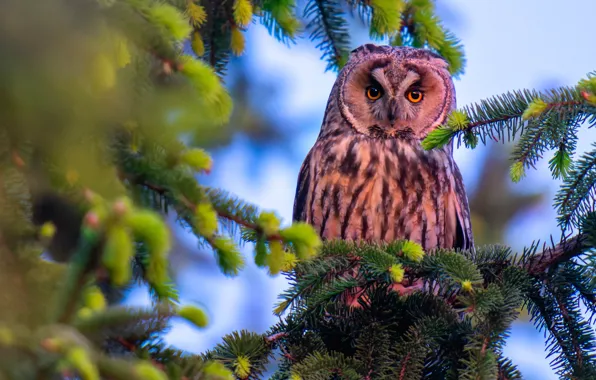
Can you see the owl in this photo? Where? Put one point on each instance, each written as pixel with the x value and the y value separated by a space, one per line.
pixel 367 177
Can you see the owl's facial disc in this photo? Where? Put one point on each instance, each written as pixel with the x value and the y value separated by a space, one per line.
pixel 397 98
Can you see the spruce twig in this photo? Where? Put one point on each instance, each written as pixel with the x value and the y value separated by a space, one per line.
pixel 77 275
pixel 330 29
pixel 190 207
pixel 567 249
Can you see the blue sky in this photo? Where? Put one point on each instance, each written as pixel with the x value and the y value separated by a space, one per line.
pixel 509 45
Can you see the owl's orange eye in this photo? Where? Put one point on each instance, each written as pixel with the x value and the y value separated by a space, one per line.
pixel 414 96
pixel 373 92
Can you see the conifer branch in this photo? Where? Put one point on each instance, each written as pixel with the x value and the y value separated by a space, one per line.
pixel 404 366
pixel 504 117
pixel 554 307
pixel 119 316
pixel 107 365
pixel 507 371
pixel 421 27
pixel 216 32
pixel 548 106
pixel 567 249
pixel 224 205
pixel 275 337
pixel 330 28
pixel 279 18
pixel 575 350
pixel 576 196
pixel 223 213
pixel 77 275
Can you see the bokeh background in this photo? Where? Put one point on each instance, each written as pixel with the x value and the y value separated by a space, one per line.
pixel 280 94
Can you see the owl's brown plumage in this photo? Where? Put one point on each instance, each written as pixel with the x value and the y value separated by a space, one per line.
pixel 367 176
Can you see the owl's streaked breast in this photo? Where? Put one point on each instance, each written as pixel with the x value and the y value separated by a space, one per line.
pixel 380 190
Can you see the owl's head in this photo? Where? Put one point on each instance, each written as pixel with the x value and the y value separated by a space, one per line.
pixel 395 92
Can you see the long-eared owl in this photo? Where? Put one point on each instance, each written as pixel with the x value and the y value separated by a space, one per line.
pixel 367 177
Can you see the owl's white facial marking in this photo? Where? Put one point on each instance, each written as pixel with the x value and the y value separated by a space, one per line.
pixel 412 95
pixel 378 76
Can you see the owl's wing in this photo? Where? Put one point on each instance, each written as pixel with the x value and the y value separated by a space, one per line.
pixel 463 226
pixel 302 190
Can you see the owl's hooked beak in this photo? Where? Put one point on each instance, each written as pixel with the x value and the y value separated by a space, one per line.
pixel 392 110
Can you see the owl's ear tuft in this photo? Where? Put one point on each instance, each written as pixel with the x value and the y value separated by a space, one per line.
pixel 370 48
pixel 437 60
